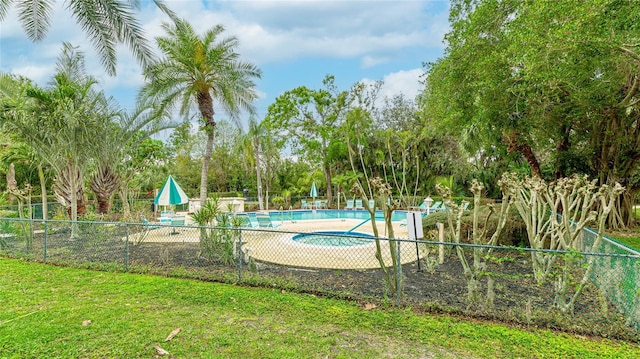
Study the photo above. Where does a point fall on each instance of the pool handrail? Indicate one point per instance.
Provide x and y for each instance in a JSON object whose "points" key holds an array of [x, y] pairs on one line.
{"points": [[360, 224]]}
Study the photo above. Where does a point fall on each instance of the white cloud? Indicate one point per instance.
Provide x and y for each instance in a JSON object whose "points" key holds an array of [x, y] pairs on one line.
{"points": [[371, 61], [405, 82], [279, 31], [373, 34], [39, 74]]}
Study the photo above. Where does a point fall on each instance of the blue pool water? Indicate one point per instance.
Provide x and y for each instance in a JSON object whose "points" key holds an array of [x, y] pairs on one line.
{"points": [[334, 238], [301, 215]]}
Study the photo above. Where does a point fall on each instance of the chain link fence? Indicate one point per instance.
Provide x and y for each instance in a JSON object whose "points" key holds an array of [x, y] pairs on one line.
{"points": [[589, 293]]}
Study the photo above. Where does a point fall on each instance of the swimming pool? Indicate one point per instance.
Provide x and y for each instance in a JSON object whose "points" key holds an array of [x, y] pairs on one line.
{"points": [[334, 238], [302, 215]]}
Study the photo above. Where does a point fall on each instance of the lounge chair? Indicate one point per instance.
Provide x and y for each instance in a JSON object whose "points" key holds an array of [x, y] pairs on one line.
{"points": [[358, 204], [303, 204], [438, 207], [317, 204], [350, 204], [422, 207], [246, 222], [264, 221], [177, 221], [148, 225], [403, 222]]}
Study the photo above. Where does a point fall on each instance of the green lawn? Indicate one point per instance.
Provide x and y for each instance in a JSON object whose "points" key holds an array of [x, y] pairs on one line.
{"points": [[633, 242], [630, 237], [44, 307]]}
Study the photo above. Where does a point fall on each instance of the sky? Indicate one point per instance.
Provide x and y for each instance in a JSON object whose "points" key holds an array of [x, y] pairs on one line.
{"points": [[294, 43]]}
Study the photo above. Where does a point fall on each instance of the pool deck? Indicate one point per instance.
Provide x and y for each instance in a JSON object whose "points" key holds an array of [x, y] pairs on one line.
{"points": [[275, 245]]}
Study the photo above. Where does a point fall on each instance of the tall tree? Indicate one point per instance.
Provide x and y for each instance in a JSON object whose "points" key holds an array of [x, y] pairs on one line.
{"points": [[121, 133], [60, 123], [107, 23], [198, 70], [556, 82], [310, 119], [252, 141]]}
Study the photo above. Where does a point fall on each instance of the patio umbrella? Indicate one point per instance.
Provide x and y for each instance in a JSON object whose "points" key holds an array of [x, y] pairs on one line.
{"points": [[314, 191], [170, 194], [313, 194]]}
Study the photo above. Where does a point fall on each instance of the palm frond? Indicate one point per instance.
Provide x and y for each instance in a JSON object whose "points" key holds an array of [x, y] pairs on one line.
{"points": [[107, 23], [34, 15], [4, 8], [93, 22]]}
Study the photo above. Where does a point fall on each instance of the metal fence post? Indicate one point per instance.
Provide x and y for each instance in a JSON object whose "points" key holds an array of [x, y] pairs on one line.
{"points": [[239, 248], [46, 236], [398, 270], [126, 253]]}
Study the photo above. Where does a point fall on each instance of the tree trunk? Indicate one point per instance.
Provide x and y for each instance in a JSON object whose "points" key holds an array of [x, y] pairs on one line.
{"points": [[104, 183], [205, 105], [259, 177], [43, 191], [327, 177], [525, 150], [12, 184], [63, 187], [73, 185], [562, 147], [124, 197], [206, 160]]}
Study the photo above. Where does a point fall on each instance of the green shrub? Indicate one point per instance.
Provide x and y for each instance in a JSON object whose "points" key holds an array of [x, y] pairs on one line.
{"points": [[514, 232], [8, 214], [277, 201]]}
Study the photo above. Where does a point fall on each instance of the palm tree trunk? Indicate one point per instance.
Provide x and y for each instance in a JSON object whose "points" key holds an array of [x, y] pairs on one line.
{"points": [[104, 183], [206, 159], [43, 191], [259, 178], [74, 201], [205, 105], [12, 184]]}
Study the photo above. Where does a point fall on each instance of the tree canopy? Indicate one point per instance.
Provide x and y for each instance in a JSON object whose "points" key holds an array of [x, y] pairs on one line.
{"points": [[555, 82], [198, 71]]}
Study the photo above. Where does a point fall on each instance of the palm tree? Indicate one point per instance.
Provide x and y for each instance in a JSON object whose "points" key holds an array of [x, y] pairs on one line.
{"points": [[251, 145], [60, 124], [120, 132], [107, 23], [201, 70]]}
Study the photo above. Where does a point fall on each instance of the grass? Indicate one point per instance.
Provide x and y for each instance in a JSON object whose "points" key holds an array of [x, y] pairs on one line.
{"points": [[633, 242], [44, 307], [629, 237]]}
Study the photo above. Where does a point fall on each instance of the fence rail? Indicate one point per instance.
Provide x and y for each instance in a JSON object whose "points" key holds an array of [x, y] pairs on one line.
{"points": [[503, 285]]}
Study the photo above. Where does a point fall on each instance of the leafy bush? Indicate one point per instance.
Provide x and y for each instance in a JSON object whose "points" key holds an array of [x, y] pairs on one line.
{"points": [[8, 214], [216, 244], [277, 201], [513, 234]]}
